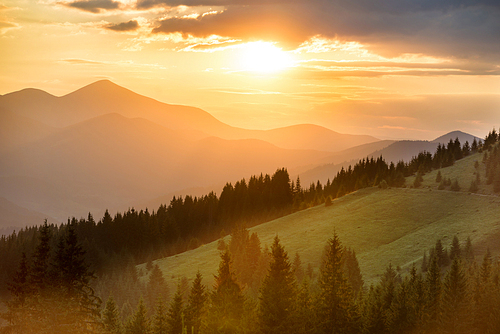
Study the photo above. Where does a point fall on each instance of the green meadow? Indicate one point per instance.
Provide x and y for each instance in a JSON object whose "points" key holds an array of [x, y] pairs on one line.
{"points": [[384, 226]]}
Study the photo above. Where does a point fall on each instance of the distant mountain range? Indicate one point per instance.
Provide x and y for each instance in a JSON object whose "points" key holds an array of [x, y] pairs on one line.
{"points": [[104, 146]]}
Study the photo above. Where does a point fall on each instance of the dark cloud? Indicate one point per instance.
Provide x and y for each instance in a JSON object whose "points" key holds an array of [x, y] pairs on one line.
{"points": [[94, 6], [450, 28], [145, 4], [124, 26]]}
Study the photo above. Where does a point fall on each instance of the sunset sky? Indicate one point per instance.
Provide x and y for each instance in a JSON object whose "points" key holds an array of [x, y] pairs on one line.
{"points": [[390, 68]]}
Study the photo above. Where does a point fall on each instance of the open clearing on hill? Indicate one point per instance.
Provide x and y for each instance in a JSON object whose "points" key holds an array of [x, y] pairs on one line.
{"points": [[383, 226]]}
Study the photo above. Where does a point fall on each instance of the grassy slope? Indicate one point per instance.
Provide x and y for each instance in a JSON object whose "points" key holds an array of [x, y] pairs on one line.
{"points": [[382, 226]]}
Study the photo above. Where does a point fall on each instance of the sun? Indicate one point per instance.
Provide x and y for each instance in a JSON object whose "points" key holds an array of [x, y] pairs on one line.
{"points": [[264, 57]]}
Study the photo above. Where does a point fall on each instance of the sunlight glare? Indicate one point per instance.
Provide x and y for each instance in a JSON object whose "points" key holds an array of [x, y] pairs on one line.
{"points": [[264, 57]]}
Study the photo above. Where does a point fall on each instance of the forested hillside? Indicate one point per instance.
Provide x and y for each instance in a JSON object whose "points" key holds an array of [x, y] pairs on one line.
{"points": [[113, 245]]}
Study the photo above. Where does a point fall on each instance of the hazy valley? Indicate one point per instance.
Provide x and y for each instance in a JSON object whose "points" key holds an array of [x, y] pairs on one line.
{"points": [[161, 196]]}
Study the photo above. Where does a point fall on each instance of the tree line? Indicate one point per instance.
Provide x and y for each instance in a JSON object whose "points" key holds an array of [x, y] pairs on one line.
{"points": [[459, 297], [51, 293], [134, 237]]}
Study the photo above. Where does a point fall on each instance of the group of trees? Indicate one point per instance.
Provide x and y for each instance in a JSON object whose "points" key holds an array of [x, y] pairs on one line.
{"points": [[51, 290], [138, 236], [116, 244], [460, 296]]}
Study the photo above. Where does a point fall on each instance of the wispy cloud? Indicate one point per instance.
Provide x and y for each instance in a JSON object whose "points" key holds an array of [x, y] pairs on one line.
{"points": [[6, 26], [81, 61], [94, 6], [240, 91], [131, 25]]}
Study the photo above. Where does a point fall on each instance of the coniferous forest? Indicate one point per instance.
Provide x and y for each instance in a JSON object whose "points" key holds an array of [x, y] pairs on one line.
{"points": [[81, 276]]}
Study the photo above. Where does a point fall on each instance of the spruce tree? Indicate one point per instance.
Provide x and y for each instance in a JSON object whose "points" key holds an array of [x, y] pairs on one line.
{"points": [[160, 323], [434, 292], [400, 318], [175, 313], [196, 306], [39, 274], [277, 294], [20, 287], [227, 300], [455, 301], [111, 317], [74, 280], [352, 271], [455, 251], [305, 317], [297, 268], [336, 310], [417, 298], [138, 323], [374, 321], [156, 287], [468, 251]]}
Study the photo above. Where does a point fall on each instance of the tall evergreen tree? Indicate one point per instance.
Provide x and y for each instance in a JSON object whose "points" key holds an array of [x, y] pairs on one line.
{"points": [[455, 251], [40, 278], [160, 323], [305, 317], [156, 287], [278, 292], [434, 292], [111, 317], [75, 278], [139, 322], [335, 305], [353, 273], [196, 306], [20, 287], [175, 313], [374, 321], [455, 301], [226, 301]]}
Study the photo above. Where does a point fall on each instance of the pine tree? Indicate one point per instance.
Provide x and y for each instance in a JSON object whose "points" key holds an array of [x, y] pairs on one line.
{"points": [[335, 305], [455, 300], [156, 287], [227, 300], [352, 271], [468, 252], [373, 312], [278, 292], [400, 318], [18, 308], [425, 263], [139, 323], [111, 317], [39, 276], [196, 307], [74, 280], [20, 286], [455, 251], [305, 317], [297, 268], [434, 292], [417, 298], [441, 254], [175, 313], [160, 323]]}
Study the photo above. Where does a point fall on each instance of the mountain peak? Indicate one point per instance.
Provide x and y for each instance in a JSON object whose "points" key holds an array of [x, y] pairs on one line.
{"points": [[101, 87], [462, 137]]}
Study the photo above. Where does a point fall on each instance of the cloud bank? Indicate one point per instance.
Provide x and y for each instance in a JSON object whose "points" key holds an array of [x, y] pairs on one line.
{"points": [[94, 6], [124, 26], [461, 29]]}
